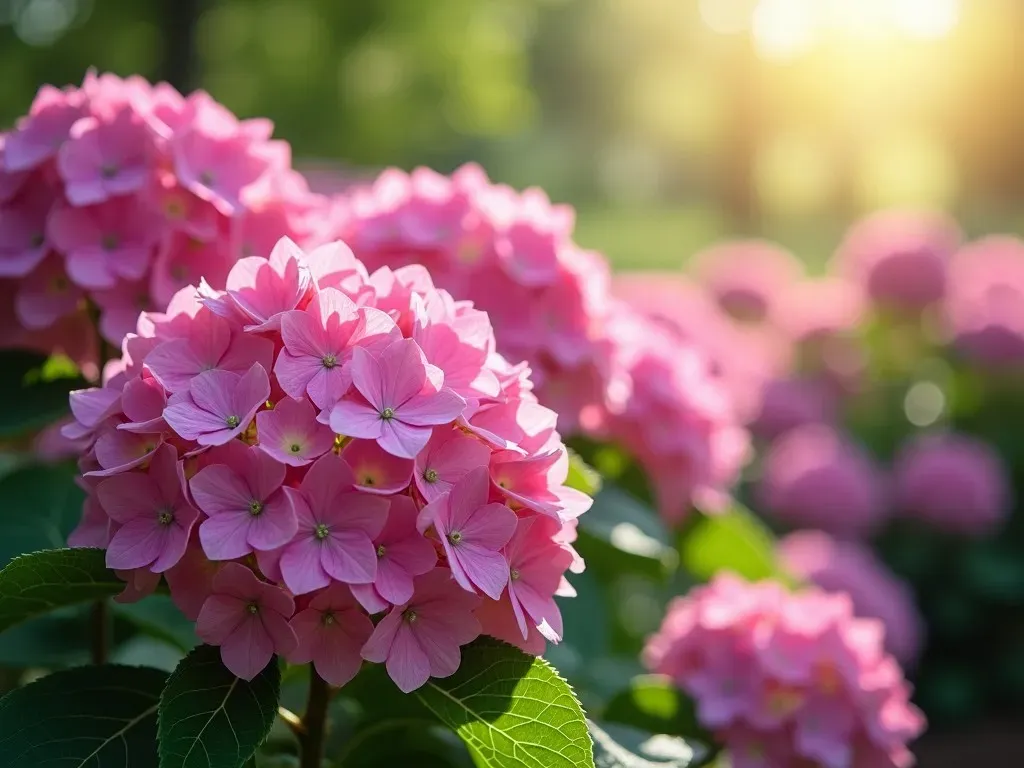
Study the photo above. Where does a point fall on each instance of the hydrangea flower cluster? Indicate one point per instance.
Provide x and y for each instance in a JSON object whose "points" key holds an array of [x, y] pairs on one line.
{"points": [[787, 679], [317, 444], [609, 371], [116, 194]]}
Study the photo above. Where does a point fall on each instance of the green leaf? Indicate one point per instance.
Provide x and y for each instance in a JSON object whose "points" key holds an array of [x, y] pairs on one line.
{"points": [[40, 582], [157, 616], [41, 504], [582, 476], [733, 540], [619, 746], [39, 388], [652, 703], [209, 717], [391, 743], [620, 533], [52, 641], [89, 717], [511, 710]]}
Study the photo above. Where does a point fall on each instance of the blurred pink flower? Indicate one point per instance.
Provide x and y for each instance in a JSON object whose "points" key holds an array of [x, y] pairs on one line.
{"points": [[749, 279]]}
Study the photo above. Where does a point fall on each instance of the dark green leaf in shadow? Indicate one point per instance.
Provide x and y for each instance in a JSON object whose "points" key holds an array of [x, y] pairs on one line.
{"points": [[620, 746], [38, 386]]}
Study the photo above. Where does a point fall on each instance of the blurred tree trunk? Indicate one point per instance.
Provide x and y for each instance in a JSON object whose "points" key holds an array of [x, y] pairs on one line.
{"points": [[178, 21]]}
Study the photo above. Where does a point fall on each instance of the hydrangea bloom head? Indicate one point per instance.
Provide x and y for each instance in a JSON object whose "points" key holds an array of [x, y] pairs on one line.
{"points": [[118, 193], [850, 567], [900, 258], [551, 304], [985, 305], [954, 482], [787, 679], [748, 279], [814, 477], [295, 462]]}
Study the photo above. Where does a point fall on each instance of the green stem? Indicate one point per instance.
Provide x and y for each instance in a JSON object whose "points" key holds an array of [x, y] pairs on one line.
{"points": [[314, 722], [99, 632]]}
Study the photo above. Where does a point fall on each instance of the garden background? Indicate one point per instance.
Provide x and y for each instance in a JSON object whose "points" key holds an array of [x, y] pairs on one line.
{"points": [[668, 124]]}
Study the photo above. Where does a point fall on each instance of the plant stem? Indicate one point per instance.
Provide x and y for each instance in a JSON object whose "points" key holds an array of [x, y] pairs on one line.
{"points": [[314, 721], [99, 632]]}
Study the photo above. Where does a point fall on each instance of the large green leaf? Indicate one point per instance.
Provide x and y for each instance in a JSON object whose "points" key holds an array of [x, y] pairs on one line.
{"points": [[391, 743], [40, 582], [733, 540], [89, 717], [157, 616], [35, 390], [41, 504], [582, 476], [209, 717], [511, 709], [621, 534], [619, 746]]}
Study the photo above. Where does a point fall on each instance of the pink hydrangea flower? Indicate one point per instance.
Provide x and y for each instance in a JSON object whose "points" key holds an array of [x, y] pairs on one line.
{"points": [[473, 530], [398, 399], [787, 678], [750, 279], [331, 633], [850, 567], [954, 482], [154, 514], [104, 176], [248, 619], [240, 491], [336, 527], [288, 507], [420, 639]]}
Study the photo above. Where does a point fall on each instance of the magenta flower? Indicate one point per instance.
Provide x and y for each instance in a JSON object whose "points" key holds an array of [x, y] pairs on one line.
{"points": [[472, 531], [536, 563], [536, 482], [104, 243], [218, 405], [318, 345], [209, 346], [457, 339], [118, 451], [337, 525], [376, 470], [143, 401], [41, 133], [183, 261], [421, 639], [446, 459], [402, 554], [46, 295], [291, 434], [105, 159], [190, 581], [23, 233], [154, 514], [248, 619], [331, 633], [240, 490], [397, 399], [264, 289]]}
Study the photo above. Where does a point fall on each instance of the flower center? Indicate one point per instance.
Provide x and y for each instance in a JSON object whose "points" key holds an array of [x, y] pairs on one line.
{"points": [[206, 179], [294, 447], [514, 574], [59, 285], [321, 531], [165, 517], [380, 550], [232, 421], [328, 619], [252, 608], [455, 537], [329, 361], [387, 414], [430, 475], [255, 508], [109, 242], [108, 171], [36, 240], [174, 208], [410, 615]]}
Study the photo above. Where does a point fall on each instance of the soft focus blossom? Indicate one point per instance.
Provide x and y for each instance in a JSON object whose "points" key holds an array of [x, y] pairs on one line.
{"points": [[512, 254], [286, 502], [814, 477], [850, 567], [787, 679], [748, 279], [985, 305], [900, 258], [954, 482], [117, 193]]}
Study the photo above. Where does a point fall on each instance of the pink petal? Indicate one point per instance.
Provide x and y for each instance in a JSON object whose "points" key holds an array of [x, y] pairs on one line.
{"points": [[378, 647], [393, 582], [368, 377], [247, 650], [279, 630], [350, 557], [355, 418], [401, 439], [485, 568], [490, 526], [407, 664], [252, 391], [441, 408], [128, 496], [218, 490], [225, 536], [301, 568], [137, 543], [219, 617], [376, 470], [275, 526], [467, 496]]}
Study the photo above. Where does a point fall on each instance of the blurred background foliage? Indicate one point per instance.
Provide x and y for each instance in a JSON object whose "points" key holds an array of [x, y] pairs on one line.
{"points": [[668, 123]]}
